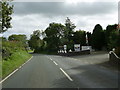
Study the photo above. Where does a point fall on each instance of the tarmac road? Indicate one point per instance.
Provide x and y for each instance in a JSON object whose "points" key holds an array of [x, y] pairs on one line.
{"points": [[52, 71]]}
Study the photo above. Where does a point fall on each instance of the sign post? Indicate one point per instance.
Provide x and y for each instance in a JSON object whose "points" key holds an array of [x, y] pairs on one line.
{"points": [[65, 48]]}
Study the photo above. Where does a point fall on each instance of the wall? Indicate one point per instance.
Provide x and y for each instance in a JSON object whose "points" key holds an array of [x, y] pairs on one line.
{"points": [[113, 58]]}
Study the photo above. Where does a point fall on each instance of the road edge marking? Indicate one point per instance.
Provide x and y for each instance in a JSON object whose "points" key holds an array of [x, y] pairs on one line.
{"points": [[66, 74], [15, 70]]}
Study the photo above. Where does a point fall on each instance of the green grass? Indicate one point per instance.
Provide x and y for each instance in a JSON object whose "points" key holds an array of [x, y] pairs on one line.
{"points": [[30, 51], [17, 59]]}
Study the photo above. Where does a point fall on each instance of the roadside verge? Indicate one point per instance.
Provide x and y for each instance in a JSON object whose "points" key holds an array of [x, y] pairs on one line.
{"points": [[15, 62]]}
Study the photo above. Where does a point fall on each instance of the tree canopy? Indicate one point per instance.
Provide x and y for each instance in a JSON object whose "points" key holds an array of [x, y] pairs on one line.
{"points": [[80, 37], [54, 32], [98, 37], [35, 41], [5, 16], [19, 38]]}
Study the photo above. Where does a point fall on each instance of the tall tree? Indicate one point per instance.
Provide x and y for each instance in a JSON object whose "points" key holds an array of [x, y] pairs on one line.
{"points": [[54, 32], [69, 30], [80, 37], [5, 16], [97, 37], [35, 42], [109, 29], [89, 38], [113, 40]]}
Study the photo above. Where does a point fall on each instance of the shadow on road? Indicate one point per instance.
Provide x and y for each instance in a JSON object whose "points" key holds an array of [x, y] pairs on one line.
{"points": [[89, 76]]}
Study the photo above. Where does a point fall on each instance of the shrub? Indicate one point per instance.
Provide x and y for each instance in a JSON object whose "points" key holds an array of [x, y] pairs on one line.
{"points": [[9, 47]]}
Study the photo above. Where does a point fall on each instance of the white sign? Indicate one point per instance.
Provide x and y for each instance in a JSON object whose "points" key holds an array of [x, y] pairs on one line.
{"points": [[87, 48], [77, 47], [65, 47]]}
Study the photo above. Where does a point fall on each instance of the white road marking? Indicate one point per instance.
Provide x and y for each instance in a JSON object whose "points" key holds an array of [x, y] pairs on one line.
{"points": [[9, 75], [51, 59], [14, 71], [66, 74], [55, 63]]}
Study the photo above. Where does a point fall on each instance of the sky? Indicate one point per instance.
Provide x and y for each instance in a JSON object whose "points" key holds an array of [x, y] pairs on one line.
{"points": [[29, 16]]}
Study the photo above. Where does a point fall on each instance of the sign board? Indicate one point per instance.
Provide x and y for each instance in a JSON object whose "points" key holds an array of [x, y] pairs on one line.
{"points": [[65, 47], [87, 48], [77, 47]]}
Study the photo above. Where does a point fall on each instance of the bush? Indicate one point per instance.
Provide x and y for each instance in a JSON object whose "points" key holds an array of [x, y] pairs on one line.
{"points": [[9, 47], [6, 53], [14, 61]]}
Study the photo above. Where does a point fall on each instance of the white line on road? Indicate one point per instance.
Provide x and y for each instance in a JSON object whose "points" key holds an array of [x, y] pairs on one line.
{"points": [[51, 59], [15, 71], [55, 63], [66, 74]]}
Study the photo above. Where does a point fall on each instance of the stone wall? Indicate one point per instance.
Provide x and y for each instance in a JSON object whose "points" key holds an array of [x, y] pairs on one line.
{"points": [[113, 58]]}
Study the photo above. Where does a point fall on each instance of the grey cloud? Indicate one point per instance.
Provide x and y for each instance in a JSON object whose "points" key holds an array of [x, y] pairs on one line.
{"points": [[60, 8], [29, 16]]}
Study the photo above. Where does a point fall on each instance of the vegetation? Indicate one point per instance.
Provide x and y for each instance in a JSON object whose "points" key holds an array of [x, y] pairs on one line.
{"points": [[98, 37], [115, 41], [14, 61], [19, 38], [15, 49], [108, 32], [54, 33], [5, 16], [13, 55], [57, 35], [80, 37], [35, 42]]}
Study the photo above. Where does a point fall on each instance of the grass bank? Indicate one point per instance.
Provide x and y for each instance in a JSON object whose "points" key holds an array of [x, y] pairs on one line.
{"points": [[13, 62]]}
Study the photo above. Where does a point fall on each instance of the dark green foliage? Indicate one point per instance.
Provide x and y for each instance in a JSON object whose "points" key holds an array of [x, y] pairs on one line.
{"points": [[59, 35], [118, 40], [69, 29], [19, 38], [79, 37], [113, 40], [109, 29], [70, 45], [53, 34], [35, 42], [68, 34], [89, 38], [5, 16], [98, 37], [3, 38], [15, 43], [9, 47]]}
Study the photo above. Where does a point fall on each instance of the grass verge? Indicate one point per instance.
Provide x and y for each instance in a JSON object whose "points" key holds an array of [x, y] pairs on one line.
{"points": [[17, 59]]}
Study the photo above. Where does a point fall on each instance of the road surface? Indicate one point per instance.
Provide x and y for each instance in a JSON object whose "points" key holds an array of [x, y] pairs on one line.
{"points": [[52, 71]]}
